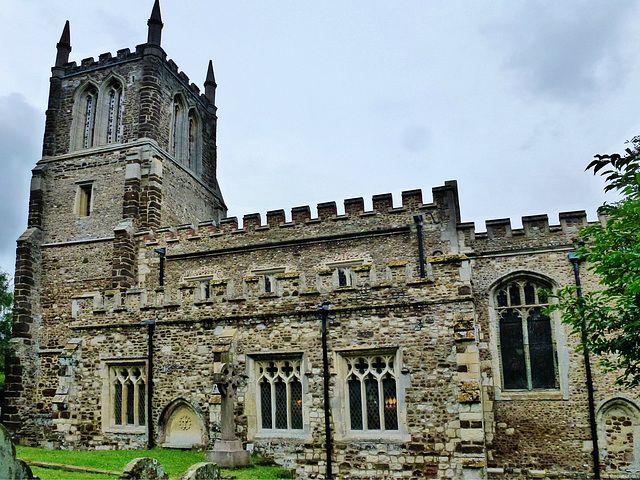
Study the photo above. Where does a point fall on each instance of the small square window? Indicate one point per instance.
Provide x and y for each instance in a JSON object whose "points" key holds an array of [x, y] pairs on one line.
{"points": [[205, 289], [84, 199]]}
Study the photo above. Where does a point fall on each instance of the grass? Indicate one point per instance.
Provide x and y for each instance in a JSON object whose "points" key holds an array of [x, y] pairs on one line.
{"points": [[175, 463]]}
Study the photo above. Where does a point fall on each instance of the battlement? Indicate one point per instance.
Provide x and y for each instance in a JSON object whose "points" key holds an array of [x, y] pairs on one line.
{"points": [[106, 60], [533, 226], [240, 295], [327, 212]]}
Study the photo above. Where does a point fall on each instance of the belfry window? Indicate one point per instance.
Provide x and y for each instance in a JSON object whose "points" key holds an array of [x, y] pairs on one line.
{"points": [[280, 394], [186, 135], [127, 396], [526, 344], [372, 392], [89, 107], [114, 113]]}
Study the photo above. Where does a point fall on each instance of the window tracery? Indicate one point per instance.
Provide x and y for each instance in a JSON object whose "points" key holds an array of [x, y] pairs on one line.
{"points": [[280, 394], [525, 336]]}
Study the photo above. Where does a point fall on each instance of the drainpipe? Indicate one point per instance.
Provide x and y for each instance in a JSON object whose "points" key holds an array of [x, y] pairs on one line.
{"points": [[418, 221], [151, 327], [162, 252], [324, 313], [575, 260]]}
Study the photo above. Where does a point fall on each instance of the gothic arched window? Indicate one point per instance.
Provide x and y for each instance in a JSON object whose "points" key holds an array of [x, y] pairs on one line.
{"points": [[89, 105], [114, 112], [186, 135], [525, 336]]}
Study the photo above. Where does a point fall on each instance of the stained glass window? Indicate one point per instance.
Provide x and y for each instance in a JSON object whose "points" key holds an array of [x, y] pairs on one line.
{"points": [[128, 395], [280, 394], [371, 386], [527, 349]]}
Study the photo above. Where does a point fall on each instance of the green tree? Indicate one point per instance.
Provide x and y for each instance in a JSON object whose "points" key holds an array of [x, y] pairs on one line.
{"points": [[608, 319], [6, 305]]}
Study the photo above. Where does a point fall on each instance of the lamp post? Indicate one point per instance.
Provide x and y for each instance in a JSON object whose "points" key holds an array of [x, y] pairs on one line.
{"points": [[575, 261], [324, 313]]}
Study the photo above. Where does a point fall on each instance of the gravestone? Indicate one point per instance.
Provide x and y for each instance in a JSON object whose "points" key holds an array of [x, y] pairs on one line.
{"points": [[10, 466]]}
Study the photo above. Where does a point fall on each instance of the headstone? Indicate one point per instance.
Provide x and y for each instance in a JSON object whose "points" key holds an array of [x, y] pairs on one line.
{"points": [[202, 471], [144, 468], [10, 466]]}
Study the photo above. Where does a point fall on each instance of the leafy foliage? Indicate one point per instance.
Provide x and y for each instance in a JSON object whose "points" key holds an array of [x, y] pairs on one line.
{"points": [[6, 304], [609, 319]]}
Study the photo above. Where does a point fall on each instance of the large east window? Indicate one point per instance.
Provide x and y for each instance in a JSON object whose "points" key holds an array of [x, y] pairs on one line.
{"points": [[280, 394], [526, 343], [372, 392], [127, 395]]}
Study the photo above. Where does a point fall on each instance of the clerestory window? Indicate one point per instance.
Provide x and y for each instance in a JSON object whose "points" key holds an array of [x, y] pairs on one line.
{"points": [[526, 343], [280, 394], [127, 396]]}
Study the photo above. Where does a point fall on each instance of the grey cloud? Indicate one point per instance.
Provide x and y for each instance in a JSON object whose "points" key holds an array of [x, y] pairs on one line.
{"points": [[20, 140], [569, 51]]}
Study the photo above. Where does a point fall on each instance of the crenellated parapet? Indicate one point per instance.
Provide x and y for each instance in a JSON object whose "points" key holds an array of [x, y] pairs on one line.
{"points": [[383, 215], [295, 292], [535, 230]]}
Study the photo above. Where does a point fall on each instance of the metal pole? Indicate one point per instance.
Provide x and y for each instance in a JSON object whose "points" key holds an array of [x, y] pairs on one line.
{"points": [[324, 312], [151, 327], [418, 221], [574, 259], [162, 252]]}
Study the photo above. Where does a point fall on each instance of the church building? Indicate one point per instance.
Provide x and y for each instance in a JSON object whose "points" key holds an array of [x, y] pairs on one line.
{"points": [[396, 343]]}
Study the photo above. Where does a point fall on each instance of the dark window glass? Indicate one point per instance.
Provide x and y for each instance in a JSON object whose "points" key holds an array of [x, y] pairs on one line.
{"points": [[390, 404], [130, 402], [373, 403], [541, 350], [514, 368], [502, 298], [342, 277], [296, 405], [265, 401], [514, 295], [529, 294], [141, 404], [281, 404], [117, 403], [355, 404]]}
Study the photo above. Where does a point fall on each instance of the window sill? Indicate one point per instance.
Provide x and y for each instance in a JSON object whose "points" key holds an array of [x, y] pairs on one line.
{"points": [[129, 430], [377, 436], [514, 395], [302, 435]]}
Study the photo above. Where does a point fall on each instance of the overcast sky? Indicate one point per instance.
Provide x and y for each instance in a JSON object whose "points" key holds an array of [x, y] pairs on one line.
{"points": [[327, 100]]}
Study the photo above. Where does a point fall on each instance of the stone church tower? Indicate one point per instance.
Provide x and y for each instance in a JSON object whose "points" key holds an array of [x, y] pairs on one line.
{"points": [[129, 145]]}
